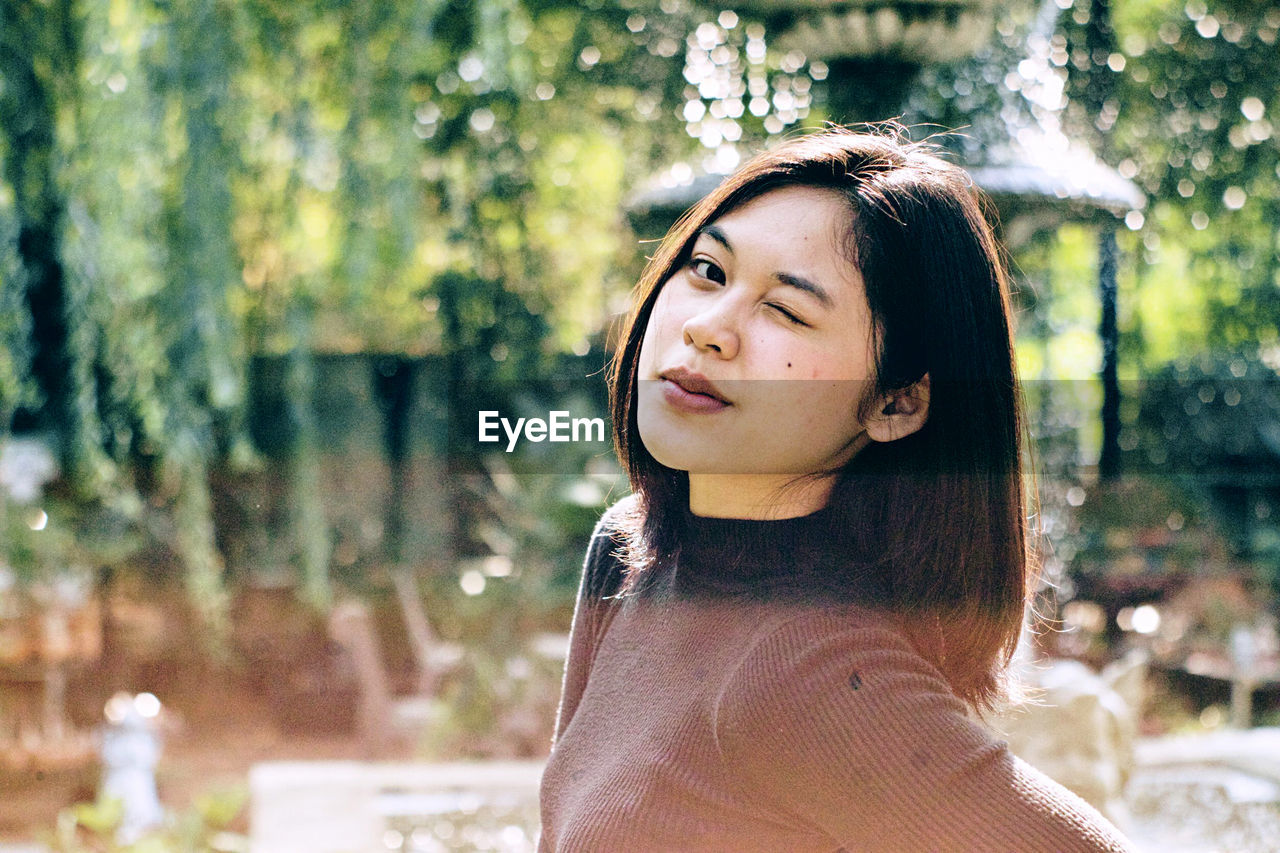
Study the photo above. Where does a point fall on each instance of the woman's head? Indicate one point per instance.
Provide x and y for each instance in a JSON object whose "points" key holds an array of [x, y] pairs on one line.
{"points": [[908, 332], [767, 316]]}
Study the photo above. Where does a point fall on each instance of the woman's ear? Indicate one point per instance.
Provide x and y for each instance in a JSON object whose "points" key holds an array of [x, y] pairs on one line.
{"points": [[900, 413]]}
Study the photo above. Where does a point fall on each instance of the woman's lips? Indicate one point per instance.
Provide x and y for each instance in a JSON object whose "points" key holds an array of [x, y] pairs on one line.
{"points": [[685, 400]]}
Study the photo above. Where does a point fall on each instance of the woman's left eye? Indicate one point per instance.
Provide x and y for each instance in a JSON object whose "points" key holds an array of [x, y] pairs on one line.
{"points": [[785, 313]]}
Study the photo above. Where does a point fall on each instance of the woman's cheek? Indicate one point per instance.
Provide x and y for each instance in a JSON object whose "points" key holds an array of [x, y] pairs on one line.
{"points": [[663, 325], [651, 343], [806, 365]]}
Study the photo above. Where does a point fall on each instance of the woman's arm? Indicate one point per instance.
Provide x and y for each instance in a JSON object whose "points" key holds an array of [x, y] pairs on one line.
{"points": [[601, 577], [837, 721]]}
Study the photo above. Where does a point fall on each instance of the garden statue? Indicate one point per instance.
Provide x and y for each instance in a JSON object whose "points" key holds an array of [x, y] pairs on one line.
{"points": [[1079, 727], [130, 751]]}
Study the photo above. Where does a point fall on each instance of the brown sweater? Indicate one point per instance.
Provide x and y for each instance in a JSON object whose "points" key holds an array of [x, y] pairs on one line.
{"points": [[713, 712]]}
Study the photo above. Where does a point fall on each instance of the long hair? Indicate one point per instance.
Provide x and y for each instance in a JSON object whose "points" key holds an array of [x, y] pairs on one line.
{"points": [[941, 513]]}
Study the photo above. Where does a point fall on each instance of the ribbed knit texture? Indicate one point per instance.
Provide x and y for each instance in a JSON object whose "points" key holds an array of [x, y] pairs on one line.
{"points": [[720, 710]]}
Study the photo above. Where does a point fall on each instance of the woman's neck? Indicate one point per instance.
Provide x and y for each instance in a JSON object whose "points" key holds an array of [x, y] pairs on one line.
{"points": [[757, 496]]}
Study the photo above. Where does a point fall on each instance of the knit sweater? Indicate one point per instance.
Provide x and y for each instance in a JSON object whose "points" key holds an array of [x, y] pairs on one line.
{"points": [[712, 711]]}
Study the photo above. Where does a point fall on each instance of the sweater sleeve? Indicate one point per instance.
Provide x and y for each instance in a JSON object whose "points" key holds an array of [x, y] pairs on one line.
{"points": [[601, 577], [845, 728]]}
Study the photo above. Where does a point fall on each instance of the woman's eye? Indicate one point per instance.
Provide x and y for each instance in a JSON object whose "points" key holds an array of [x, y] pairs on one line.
{"points": [[706, 269], [787, 314]]}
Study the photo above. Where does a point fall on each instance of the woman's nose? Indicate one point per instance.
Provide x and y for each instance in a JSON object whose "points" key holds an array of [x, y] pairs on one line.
{"points": [[713, 330]]}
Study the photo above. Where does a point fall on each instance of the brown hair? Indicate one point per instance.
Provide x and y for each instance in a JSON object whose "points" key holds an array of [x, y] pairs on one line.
{"points": [[941, 512]]}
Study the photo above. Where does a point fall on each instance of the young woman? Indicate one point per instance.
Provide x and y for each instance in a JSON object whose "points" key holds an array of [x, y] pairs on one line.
{"points": [[782, 635]]}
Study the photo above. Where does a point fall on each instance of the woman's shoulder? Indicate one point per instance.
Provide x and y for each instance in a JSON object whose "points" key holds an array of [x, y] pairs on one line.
{"points": [[849, 629], [840, 675], [798, 627], [801, 653], [605, 569], [619, 516]]}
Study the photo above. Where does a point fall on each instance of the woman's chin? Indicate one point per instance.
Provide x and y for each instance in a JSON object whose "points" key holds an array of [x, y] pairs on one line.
{"points": [[723, 465]]}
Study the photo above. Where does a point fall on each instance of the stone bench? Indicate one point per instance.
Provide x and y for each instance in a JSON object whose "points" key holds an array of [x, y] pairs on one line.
{"points": [[355, 807]]}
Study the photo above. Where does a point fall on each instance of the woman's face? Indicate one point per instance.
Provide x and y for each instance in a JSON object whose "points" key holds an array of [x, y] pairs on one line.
{"points": [[758, 349]]}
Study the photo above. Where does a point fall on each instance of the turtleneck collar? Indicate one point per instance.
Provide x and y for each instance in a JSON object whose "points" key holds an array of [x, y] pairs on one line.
{"points": [[719, 543], [806, 555]]}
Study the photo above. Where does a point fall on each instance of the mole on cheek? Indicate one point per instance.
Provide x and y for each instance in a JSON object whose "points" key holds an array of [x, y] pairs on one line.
{"points": [[788, 364]]}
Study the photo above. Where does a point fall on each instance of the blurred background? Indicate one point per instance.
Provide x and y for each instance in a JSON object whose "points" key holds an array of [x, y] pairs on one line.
{"points": [[262, 263]]}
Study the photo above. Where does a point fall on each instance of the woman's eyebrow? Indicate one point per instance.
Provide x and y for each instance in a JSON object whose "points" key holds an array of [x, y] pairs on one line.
{"points": [[798, 282], [715, 233], [814, 290]]}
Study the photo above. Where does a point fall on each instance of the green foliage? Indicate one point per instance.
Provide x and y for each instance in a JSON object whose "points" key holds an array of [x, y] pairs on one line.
{"points": [[226, 179], [15, 325], [493, 706], [970, 100], [37, 547], [203, 828], [1188, 110]]}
